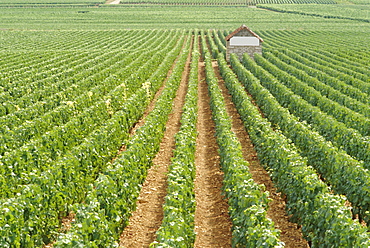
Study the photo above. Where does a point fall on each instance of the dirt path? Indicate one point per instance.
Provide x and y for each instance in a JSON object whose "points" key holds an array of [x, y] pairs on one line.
{"points": [[291, 235], [112, 1], [67, 221], [147, 217], [212, 221]]}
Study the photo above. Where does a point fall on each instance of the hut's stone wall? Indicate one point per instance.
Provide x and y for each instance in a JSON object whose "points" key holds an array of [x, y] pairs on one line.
{"points": [[240, 50]]}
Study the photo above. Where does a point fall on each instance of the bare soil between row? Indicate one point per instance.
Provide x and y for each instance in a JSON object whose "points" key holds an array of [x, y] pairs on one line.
{"points": [[291, 234], [212, 221], [147, 217]]}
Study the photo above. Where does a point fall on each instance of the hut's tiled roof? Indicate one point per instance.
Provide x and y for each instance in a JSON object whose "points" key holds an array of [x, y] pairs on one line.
{"points": [[241, 28]]}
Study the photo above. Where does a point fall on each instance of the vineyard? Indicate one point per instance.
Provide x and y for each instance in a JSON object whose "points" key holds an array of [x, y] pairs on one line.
{"points": [[38, 27], [335, 11], [124, 126], [222, 2]]}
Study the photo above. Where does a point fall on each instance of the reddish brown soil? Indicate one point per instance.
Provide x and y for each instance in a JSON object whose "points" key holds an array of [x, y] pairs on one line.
{"points": [[67, 221], [291, 235], [66, 225], [212, 221], [147, 217]]}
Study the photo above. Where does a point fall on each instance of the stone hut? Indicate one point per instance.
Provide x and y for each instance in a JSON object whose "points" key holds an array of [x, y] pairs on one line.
{"points": [[243, 40]]}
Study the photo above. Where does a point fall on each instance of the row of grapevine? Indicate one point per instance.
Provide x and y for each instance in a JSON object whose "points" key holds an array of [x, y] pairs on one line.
{"points": [[17, 84], [347, 138], [177, 228], [40, 82], [248, 203], [345, 175], [152, 17], [52, 68], [112, 197], [34, 120], [255, 2], [341, 113], [320, 72], [318, 39], [319, 86], [52, 2], [343, 137], [356, 75], [37, 65], [43, 150], [344, 62], [318, 12], [337, 132], [325, 218], [56, 41], [32, 217], [361, 142], [214, 49], [70, 89], [219, 41], [226, 2]]}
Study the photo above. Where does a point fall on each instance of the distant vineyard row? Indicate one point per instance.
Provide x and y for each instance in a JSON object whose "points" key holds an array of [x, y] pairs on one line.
{"points": [[154, 16], [51, 2], [64, 116], [226, 2], [161, 2], [312, 100], [81, 3], [67, 108], [337, 11]]}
